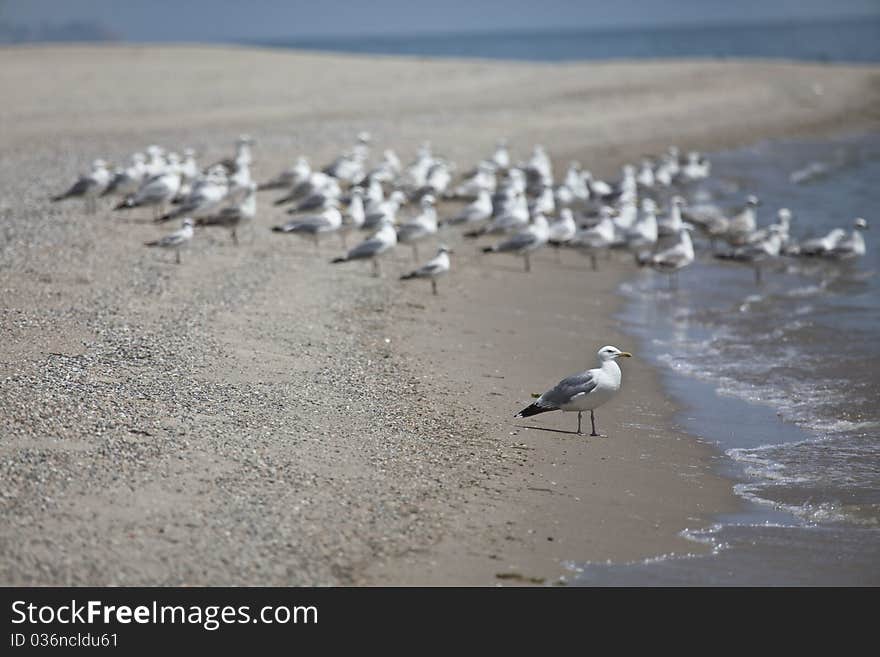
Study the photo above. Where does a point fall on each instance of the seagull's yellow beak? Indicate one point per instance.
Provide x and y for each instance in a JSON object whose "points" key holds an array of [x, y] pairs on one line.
{"points": [[624, 354]]}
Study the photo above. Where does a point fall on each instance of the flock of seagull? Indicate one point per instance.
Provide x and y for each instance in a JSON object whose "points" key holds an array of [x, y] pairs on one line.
{"points": [[521, 207]]}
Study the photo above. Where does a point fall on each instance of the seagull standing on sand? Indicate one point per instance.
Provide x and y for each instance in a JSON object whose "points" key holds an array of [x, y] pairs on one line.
{"points": [[583, 392], [420, 227], [176, 239], [562, 231], [88, 187], [204, 198], [126, 181], [328, 221], [386, 211], [382, 241], [474, 212], [435, 267], [354, 216], [233, 216], [294, 175], [600, 236], [532, 238], [157, 192]]}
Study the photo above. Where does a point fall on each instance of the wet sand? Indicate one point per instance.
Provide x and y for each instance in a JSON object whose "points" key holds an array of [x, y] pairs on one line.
{"points": [[256, 416]]}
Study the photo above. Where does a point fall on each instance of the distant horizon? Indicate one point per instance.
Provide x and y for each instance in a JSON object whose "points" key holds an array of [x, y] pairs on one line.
{"points": [[562, 29]]}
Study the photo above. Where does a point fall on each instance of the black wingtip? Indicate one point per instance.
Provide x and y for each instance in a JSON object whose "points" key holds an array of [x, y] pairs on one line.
{"points": [[338, 260], [533, 409], [487, 249]]}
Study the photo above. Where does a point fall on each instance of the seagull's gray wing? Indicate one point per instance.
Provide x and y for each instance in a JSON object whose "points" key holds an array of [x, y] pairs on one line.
{"points": [[428, 270], [566, 390], [517, 242], [366, 249], [310, 225]]}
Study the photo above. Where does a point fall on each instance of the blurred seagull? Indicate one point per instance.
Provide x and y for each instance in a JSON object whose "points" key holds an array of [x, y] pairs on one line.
{"points": [[420, 227], [382, 241], [291, 177], [676, 257], [126, 181], [854, 247], [523, 243], [176, 239], [434, 268], [233, 216], [88, 187], [314, 226]]}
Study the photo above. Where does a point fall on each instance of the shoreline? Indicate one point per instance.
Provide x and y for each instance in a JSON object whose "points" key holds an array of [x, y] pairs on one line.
{"points": [[326, 479]]}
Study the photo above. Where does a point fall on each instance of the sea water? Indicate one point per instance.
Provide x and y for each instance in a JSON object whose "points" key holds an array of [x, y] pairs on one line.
{"points": [[846, 40], [782, 376]]}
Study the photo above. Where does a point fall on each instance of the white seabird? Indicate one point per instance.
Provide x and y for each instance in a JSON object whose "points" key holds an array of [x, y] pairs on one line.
{"points": [[523, 243], [314, 226], [420, 227], [205, 197], [88, 187], [156, 192], [292, 176], [434, 268], [382, 241], [126, 181], [585, 391], [854, 247], [176, 239], [474, 212], [233, 216]]}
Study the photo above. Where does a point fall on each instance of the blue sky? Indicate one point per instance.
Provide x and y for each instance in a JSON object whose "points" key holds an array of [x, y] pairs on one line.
{"points": [[218, 20]]}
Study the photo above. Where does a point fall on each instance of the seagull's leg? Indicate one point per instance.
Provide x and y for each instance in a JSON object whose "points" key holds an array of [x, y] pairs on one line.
{"points": [[415, 251], [593, 262], [528, 264], [434, 285], [234, 237], [177, 253], [758, 275], [344, 240], [593, 422], [579, 423], [375, 267]]}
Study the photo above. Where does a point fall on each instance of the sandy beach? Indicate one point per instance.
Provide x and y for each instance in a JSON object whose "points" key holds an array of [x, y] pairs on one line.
{"points": [[256, 416]]}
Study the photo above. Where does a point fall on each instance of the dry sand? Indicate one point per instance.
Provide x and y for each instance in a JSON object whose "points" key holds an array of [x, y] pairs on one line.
{"points": [[256, 416]]}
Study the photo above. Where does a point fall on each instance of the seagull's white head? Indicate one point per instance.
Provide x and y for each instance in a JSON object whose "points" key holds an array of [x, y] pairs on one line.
{"points": [[753, 201], [611, 353], [188, 223], [861, 224], [427, 201], [444, 249]]}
